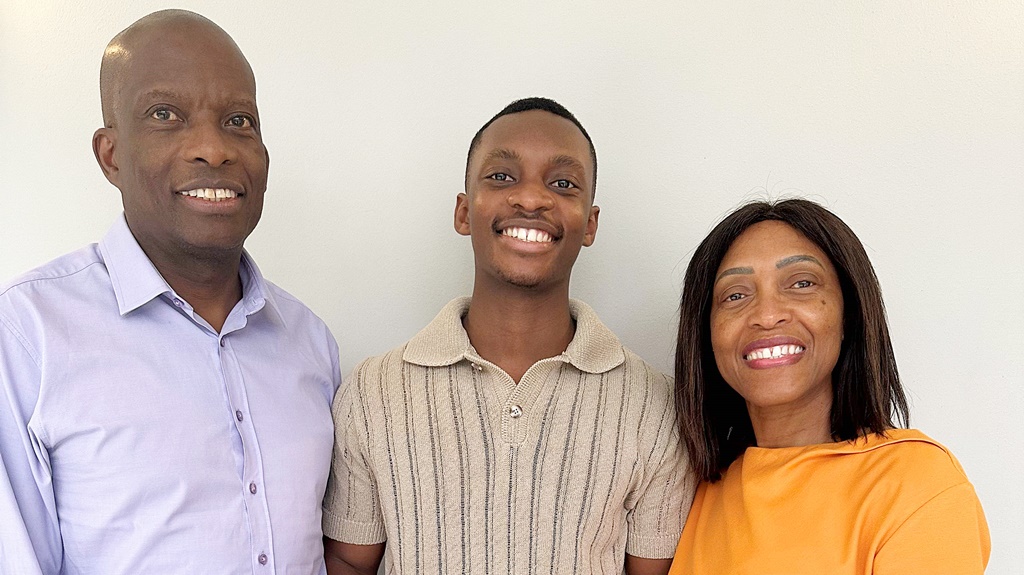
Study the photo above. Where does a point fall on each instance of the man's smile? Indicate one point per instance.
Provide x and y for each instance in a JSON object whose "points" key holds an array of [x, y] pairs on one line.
{"points": [[210, 194], [528, 234]]}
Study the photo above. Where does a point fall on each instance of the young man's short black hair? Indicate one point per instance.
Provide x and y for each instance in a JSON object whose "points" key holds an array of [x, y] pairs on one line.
{"points": [[535, 103]]}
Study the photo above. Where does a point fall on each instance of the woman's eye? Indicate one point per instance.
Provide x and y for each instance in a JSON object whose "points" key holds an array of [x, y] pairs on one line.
{"points": [[241, 121], [734, 297], [564, 184], [164, 115], [803, 284]]}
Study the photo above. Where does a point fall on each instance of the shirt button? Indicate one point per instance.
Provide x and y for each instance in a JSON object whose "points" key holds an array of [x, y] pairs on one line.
{"points": [[222, 342], [477, 366], [177, 302], [238, 414], [262, 558], [252, 488], [515, 411]]}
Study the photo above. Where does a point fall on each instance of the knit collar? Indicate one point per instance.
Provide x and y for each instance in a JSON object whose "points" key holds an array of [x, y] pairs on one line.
{"points": [[593, 349]]}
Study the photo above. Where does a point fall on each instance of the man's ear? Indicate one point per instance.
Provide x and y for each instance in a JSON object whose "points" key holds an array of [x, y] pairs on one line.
{"points": [[588, 236], [103, 143], [462, 214]]}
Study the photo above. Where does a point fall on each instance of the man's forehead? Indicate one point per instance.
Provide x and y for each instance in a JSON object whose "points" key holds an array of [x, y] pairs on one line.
{"points": [[515, 134]]}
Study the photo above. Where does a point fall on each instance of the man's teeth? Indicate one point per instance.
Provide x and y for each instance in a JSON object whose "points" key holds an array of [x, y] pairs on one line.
{"points": [[527, 234], [211, 194], [774, 352]]}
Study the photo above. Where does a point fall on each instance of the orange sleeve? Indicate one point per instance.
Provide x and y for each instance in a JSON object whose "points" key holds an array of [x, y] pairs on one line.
{"points": [[948, 534]]}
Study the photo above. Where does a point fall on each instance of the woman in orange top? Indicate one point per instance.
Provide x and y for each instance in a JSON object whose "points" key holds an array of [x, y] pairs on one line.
{"points": [[789, 397]]}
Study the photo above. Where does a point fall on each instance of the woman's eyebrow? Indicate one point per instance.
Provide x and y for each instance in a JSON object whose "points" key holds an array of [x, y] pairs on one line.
{"points": [[734, 272], [794, 259]]}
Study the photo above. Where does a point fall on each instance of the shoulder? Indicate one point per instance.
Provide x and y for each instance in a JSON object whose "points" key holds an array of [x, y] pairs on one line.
{"points": [[66, 270], [49, 289], [914, 457], [380, 370], [643, 376]]}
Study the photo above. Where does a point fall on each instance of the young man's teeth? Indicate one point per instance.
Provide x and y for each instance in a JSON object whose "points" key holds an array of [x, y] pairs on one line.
{"points": [[210, 194], [775, 352], [527, 235]]}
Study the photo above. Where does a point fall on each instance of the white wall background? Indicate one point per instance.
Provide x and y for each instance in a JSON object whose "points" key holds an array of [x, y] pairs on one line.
{"points": [[905, 117]]}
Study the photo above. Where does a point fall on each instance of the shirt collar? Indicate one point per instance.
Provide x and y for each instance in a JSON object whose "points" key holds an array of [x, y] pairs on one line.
{"points": [[593, 349], [136, 280]]}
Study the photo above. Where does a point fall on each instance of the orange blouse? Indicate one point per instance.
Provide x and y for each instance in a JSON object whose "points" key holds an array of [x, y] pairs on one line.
{"points": [[878, 505]]}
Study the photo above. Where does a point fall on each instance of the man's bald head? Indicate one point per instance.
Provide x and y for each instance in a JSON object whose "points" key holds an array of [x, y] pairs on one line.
{"points": [[149, 32]]}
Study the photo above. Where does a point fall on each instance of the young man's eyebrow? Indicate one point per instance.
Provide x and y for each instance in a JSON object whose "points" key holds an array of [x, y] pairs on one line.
{"points": [[565, 161], [794, 259], [502, 154]]}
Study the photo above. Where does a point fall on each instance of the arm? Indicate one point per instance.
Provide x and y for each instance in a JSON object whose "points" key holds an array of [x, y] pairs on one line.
{"points": [[948, 534], [351, 509], [641, 566], [351, 559], [30, 541], [663, 498]]}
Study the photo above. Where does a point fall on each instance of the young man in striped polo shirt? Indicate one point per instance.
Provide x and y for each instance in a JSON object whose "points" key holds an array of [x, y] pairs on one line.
{"points": [[514, 434]]}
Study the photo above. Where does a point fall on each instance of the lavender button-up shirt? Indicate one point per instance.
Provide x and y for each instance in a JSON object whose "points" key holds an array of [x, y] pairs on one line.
{"points": [[134, 438]]}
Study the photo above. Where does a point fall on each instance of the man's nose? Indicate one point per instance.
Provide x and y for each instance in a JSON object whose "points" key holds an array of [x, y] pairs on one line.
{"points": [[209, 143], [531, 196]]}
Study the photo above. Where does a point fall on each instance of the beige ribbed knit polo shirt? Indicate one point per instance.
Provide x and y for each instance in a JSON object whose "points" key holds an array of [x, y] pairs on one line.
{"points": [[461, 470]]}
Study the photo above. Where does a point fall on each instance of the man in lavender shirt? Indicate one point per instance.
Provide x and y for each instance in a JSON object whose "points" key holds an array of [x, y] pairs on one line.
{"points": [[163, 407]]}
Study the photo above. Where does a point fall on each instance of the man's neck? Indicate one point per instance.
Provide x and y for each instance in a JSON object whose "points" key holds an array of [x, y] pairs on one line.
{"points": [[211, 286], [515, 328]]}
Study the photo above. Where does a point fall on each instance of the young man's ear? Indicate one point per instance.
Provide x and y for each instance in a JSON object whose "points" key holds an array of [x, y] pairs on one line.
{"points": [[462, 214], [103, 144], [588, 237]]}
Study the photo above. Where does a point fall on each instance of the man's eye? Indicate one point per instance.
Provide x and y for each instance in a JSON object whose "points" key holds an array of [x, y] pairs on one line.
{"points": [[500, 177], [240, 121], [164, 115], [565, 184]]}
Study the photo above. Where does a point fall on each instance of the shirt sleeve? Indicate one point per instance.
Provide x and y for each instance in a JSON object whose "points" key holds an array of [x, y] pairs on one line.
{"points": [[656, 521], [30, 542], [948, 534], [352, 512]]}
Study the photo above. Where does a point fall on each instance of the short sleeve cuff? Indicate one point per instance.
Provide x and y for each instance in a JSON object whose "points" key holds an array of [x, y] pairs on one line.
{"points": [[657, 547], [353, 532]]}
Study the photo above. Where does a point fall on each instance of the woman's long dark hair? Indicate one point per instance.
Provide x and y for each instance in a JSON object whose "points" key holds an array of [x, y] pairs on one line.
{"points": [[866, 393]]}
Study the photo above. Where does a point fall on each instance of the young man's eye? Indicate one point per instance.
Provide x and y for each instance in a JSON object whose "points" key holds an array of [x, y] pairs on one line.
{"points": [[500, 177], [564, 184]]}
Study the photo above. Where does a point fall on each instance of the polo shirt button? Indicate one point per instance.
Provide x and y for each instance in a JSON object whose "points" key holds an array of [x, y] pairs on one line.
{"points": [[177, 302], [252, 488], [477, 366], [262, 558], [515, 411], [238, 414]]}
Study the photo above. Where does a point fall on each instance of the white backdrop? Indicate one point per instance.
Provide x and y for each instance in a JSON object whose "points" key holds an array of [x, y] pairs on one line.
{"points": [[904, 117]]}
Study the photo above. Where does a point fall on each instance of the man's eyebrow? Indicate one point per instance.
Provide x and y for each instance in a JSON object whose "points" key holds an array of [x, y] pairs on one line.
{"points": [[734, 272], [246, 104], [794, 259], [159, 95], [565, 161], [502, 154]]}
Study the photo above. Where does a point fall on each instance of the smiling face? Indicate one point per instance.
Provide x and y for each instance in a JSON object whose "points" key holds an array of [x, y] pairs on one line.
{"points": [[183, 140], [528, 204], [777, 320]]}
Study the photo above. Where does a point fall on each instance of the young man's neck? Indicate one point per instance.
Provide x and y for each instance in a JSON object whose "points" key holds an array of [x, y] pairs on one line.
{"points": [[515, 328]]}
